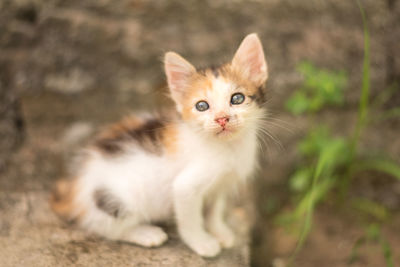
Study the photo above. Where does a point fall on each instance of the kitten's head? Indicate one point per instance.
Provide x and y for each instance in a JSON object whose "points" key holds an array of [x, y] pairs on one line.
{"points": [[223, 101]]}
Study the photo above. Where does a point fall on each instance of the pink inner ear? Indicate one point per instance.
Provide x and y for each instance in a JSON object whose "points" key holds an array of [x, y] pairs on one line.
{"points": [[176, 79], [178, 72], [250, 59]]}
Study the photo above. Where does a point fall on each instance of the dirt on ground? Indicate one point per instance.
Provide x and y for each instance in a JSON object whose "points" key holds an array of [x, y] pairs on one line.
{"points": [[75, 66]]}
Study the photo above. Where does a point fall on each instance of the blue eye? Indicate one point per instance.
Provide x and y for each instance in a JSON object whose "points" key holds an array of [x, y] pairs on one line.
{"points": [[202, 106], [237, 99]]}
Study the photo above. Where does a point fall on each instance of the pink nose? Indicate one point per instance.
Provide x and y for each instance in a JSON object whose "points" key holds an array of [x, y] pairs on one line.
{"points": [[222, 121]]}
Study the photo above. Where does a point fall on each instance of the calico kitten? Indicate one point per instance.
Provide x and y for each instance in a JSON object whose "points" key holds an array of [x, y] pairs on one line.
{"points": [[145, 170]]}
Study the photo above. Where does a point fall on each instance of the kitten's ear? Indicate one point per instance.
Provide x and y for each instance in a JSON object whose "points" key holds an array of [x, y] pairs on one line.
{"points": [[178, 72], [249, 59]]}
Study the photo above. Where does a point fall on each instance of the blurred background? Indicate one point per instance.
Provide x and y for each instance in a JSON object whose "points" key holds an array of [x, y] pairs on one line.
{"points": [[329, 190]]}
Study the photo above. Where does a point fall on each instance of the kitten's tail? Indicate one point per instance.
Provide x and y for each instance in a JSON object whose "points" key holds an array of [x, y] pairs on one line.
{"points": [[62, 199]]}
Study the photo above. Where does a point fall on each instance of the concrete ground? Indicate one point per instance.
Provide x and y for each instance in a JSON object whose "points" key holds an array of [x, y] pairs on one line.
{"points": [[31, 235]]}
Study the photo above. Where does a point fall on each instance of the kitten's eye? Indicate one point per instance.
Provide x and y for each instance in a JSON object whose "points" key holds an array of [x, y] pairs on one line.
{"points": [[202, 106], [237, 99]]}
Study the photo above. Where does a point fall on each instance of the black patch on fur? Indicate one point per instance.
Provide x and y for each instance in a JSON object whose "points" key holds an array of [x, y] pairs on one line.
{"points": [[259, 96], [147, 136], [109, 146], [252, 97], [107, 202], [149, 130], [214, 71]]}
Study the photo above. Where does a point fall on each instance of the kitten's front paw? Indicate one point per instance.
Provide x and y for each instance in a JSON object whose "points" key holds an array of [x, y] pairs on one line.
{"points": [[205, 245], [224, 235]]}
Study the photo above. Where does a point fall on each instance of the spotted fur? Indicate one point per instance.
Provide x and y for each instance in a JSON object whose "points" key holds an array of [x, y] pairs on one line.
{"points": [[132, 131]]}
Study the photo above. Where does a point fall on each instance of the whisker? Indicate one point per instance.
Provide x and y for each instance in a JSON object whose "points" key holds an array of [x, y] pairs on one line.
{"points": [[272, 137], [279, 120], [268, 123], [262, 144]]}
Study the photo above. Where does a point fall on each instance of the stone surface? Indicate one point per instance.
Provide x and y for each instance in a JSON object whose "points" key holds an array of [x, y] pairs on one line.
{"points": [[31, 235], [11, 123]]}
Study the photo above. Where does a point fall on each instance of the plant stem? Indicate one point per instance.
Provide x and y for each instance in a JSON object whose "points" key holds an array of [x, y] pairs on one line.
{"points": [[363, 106]]}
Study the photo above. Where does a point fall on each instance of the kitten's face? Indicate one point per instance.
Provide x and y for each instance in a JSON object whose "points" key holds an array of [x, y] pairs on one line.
{"points": [[225, 101], [222, 103]]}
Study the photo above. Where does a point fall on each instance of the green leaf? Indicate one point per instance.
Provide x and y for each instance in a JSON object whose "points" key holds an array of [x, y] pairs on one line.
{"points": [[298, 103], [320, 87], [314, 142], [354, 251], [390, 114], [372, 208], [373, 232], [387, 253], [379, 164], [301, 179], [316, 195]]}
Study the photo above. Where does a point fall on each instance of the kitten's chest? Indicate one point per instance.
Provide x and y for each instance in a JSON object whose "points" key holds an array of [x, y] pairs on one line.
{"points": [[236, 158], [242, 157]]}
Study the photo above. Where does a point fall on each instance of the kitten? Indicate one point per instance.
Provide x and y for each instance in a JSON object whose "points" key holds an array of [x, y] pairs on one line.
{"points": [[145, 170]]}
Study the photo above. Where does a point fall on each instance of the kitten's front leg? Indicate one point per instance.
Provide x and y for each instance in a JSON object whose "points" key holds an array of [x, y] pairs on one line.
{"points": [[188, 193], [216, 224]]}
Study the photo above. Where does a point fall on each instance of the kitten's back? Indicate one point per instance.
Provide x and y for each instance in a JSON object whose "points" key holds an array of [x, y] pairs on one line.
{"points": [[151, 134]]}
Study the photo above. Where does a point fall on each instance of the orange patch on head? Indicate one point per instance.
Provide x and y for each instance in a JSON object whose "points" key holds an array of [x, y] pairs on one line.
{"points": [[238, 78], [250, 89], [200, 84]]}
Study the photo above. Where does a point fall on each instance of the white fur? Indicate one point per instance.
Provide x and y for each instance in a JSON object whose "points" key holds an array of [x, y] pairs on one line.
{"points": [[154, 188]]}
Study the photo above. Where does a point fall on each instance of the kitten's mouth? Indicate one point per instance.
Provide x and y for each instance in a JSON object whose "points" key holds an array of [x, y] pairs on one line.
{"points": [[224, 131]]}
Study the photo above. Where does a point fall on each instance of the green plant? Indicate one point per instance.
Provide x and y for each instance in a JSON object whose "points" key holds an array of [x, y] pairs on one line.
{"points": [[320, 88], [317, 144], [328, 161], [373, 234]]}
